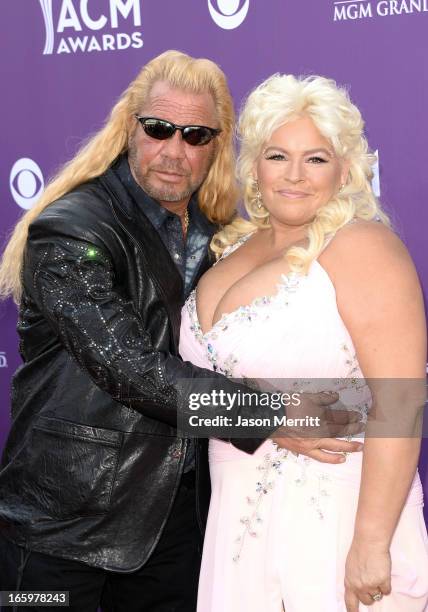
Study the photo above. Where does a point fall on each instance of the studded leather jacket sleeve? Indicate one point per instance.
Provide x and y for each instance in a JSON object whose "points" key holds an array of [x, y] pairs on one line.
{"points": [[73, 284], [74, 288]]}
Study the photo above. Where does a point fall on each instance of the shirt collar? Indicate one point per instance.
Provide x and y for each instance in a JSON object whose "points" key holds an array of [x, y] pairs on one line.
{"points": [[150, 207], [156, 213]]}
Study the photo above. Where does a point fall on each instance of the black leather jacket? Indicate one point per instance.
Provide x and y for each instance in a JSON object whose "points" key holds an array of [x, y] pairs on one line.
{"points": [[93, 461]]}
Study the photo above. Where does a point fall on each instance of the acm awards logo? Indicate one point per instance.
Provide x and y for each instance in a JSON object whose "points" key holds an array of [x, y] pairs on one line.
{"points": [[79, 26], [3, 360], [228, 14], [26, 182]]}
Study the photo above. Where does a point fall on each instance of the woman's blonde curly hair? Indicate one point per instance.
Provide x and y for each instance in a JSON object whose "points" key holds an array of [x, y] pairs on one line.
{"points": [[277, 101]]}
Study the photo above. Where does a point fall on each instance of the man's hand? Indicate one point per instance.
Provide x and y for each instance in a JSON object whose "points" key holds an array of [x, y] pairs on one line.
{"points": [[319, 441]]}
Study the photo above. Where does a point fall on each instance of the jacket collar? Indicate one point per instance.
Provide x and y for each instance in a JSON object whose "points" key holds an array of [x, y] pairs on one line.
{"points": [[142, 215], [150, 207], [145, 237]]}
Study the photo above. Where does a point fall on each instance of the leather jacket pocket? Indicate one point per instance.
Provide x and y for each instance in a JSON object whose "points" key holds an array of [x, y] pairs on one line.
{"points": [[70, 468]]}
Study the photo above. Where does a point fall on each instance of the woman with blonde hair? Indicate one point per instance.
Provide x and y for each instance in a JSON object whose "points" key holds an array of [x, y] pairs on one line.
{"points": [[313, 286]]}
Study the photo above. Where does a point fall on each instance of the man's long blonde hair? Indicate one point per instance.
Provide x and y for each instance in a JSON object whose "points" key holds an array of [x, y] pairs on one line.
{"points": [[217, 195]]}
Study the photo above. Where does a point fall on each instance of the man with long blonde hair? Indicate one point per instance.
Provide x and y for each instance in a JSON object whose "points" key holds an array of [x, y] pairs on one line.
{"points": [[94, 477]]}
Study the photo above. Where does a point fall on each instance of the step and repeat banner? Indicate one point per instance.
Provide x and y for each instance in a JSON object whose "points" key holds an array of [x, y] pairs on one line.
{"points": [[65, 62]]}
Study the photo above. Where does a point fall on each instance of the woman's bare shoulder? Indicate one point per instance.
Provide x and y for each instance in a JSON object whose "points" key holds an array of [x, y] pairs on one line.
{"points": [[365, 234], [366, 246]]}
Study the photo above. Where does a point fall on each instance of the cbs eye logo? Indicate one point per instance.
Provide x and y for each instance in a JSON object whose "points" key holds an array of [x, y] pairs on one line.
{"points": [[26, 182], [228, 14]]}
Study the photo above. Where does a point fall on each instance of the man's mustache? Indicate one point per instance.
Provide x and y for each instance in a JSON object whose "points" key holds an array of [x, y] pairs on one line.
{"points": [[171, 168]]}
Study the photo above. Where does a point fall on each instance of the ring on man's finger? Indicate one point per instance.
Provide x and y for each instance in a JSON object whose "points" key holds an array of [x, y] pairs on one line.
{"points": [[377, 596]]}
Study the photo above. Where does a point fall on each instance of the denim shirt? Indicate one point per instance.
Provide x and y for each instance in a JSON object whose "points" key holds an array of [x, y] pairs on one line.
{"points": [[187, 253]]}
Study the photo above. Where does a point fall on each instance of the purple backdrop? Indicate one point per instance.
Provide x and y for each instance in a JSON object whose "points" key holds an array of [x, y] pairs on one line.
{"points": [[66, 61]]}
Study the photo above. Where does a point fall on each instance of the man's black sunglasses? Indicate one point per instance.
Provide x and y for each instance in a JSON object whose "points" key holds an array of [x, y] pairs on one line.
{"points": [[194, 135]]}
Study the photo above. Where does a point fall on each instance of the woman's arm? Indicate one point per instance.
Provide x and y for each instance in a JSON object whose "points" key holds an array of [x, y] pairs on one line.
{"points": [[380, 301]]}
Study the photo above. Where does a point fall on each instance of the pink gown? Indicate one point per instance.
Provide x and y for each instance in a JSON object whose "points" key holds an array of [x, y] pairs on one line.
{"points": [[280, 526]]}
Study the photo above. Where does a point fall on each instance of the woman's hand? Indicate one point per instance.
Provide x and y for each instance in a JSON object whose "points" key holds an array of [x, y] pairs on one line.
{"points": [[325, 450], [367, 572]]}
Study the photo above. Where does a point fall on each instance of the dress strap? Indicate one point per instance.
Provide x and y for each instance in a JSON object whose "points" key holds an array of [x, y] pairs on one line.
{"points": [[233, 247], [331, 236]]}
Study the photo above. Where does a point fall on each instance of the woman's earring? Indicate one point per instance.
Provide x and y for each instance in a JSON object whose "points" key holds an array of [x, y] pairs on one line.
{"points": [[342, 187], [259, 202]]}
